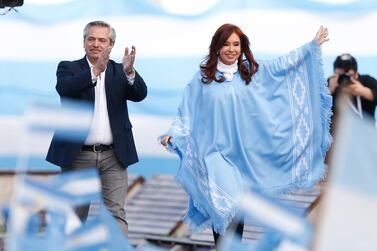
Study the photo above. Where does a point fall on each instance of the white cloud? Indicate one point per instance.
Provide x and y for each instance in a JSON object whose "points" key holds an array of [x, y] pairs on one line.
{"points": [[169, 37], [48, 2], [336, 2], [186, 7]]}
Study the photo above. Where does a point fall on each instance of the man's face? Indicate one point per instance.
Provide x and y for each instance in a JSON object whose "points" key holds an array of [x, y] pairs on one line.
{"points": [[97, 40]]}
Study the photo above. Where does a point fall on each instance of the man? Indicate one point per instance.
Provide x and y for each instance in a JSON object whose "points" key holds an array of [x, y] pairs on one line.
{"points": [[109, 145], [362, 89]]}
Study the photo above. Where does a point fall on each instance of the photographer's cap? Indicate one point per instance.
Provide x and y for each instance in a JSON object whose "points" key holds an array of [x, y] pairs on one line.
{"points": [[346, 62]]}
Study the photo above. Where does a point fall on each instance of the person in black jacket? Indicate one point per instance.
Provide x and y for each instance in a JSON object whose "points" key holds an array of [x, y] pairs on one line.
{"points": [[109, 145], [362, 89]]}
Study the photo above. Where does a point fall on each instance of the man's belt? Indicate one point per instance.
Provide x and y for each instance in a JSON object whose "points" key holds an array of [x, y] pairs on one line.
{"points": [[97, 148]]}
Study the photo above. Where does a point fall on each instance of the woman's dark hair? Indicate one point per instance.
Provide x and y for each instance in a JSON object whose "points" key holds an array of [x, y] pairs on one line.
{"points": [[209, 65]]}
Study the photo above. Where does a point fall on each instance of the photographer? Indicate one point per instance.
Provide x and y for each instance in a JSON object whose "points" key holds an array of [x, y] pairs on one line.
{"points": [[362, 89]]}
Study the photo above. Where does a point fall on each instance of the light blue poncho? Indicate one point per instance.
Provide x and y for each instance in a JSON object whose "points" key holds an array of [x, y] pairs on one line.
{"points": [[274, 132]]}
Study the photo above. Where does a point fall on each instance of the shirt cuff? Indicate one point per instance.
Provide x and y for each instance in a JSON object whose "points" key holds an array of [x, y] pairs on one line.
{"points": [[131, 79]]}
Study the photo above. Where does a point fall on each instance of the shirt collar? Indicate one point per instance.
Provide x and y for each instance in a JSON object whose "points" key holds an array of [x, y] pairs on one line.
{"points": [[90, 64], [227, 70]]}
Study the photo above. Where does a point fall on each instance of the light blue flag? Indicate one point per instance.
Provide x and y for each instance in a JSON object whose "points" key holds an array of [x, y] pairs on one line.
{"points": [[102, 233], [70, 120], [271, 241], [233, 241], [275, 241], [348, 212], [58, 197], [4, 215], [79, 186], [281, 222], [25, 232], [69, 188], [286, 228]]}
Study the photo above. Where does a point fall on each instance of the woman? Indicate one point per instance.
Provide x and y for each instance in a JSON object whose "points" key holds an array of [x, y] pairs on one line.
{"points": [[262, 122]]}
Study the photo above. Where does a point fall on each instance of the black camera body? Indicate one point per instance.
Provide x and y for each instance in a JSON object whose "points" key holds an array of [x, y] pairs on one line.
{"points": [[11, 3], [344, 80]]}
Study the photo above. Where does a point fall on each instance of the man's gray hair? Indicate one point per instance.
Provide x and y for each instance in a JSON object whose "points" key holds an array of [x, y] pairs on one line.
{"points": [[101, 24]]}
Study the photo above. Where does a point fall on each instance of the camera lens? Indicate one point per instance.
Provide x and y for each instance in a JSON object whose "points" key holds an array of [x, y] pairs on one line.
{"points": [[344, 79]]}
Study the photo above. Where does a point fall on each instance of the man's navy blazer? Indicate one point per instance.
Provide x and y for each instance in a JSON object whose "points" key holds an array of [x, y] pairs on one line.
{"points": [[74, 81]]}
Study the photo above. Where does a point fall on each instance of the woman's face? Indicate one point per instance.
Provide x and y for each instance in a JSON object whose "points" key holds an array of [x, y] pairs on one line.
{"points": [[231, 50]]}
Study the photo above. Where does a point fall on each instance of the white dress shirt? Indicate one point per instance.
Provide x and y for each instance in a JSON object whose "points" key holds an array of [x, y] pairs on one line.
{"points": [[100, 130]]}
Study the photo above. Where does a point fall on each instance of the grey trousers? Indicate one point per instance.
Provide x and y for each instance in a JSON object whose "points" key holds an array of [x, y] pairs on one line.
{"points": [[113, 178]]}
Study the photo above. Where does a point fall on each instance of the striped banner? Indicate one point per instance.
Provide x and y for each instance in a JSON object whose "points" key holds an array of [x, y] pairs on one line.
{"points": [[172, 38]]}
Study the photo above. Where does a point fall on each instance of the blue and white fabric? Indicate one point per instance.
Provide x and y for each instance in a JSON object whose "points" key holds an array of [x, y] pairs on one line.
{"points": [[62, 229], [273, 132]]}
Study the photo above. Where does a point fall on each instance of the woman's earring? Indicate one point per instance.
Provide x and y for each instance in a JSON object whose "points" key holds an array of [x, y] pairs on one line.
{"points": [[217, 53]]}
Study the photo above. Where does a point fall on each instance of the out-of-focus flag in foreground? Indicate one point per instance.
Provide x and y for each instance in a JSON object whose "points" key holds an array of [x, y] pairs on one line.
{"points": [[26, 137], [61, 230], [287, 229], [102, 233], [277, 218], [276, 241], [347, 219], [57, 197], [70, 121]]}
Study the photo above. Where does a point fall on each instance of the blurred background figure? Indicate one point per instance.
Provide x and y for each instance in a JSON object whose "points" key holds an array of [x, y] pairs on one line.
{"points": [[347, 217], [361, 89]]}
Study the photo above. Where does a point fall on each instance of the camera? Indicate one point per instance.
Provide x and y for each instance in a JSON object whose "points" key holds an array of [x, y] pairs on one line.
{"points": [[11, 3], [344, 80]]}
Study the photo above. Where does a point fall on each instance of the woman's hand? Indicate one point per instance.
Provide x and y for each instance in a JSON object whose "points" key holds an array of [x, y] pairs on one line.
{"points": [[322, 35], [165, 140]]}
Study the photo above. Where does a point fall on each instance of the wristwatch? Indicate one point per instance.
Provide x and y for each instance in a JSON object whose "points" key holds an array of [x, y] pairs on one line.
{"points": [[129, 72]]}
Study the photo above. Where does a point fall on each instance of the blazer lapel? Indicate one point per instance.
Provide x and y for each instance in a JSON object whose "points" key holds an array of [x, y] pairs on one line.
{"points": [[108, 78], [84, 65]]}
